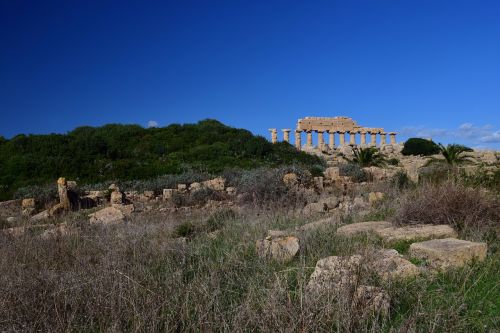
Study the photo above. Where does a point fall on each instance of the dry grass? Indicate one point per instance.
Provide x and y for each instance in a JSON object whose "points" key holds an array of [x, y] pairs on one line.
{"points": [[464, 208]]}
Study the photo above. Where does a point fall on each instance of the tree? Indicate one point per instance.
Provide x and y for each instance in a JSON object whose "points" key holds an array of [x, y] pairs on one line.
{"points": [[418, 146], [366, 157], [454, 153]]}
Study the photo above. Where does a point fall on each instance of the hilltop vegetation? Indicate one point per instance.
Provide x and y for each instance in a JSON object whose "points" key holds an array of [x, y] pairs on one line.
{"points": [[126, 152]]}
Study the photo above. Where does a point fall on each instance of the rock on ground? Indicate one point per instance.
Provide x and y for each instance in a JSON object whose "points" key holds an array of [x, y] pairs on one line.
{"points": [[390, 265], [108, 215], [362, 227], [281, 248], [449, 252], [371, 301], [416, 232], [60, 230], [335, 274]]}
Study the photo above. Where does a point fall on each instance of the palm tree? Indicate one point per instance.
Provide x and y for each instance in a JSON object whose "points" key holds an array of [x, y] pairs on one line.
{"points": [[366, 157], [454, 153]]}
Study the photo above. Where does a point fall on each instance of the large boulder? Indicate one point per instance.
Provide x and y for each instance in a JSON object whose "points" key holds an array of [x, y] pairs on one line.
{"points": [[281, 248], [362, 228], [416, 232], [28, 206], [448, 252], [390, 265], [106, 216], [335, 275]]}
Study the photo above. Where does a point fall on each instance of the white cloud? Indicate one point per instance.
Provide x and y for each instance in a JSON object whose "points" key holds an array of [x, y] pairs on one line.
{"points": [[152, 123], [467, 131], [492, 138]]}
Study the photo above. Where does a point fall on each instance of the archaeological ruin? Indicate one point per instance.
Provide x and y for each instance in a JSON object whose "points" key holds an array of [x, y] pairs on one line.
{"points": [[334, 126]]}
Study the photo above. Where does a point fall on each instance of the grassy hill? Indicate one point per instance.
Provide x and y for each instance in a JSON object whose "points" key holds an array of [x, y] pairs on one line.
{"points": [[125, 152]]}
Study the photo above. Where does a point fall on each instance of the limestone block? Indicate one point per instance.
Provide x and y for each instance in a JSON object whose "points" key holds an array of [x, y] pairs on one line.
{"points": [[334, 274], [283, 248], [107, 216], [390, 265], [125, 209], [182, 188], [149, 194], [318, 183], [362, 227], [332, 173], [314, 208], [371, 301], [195, 187], [116, 198], [448, 252], [231, 191], [167, 193], [376, 172], [416, 232], [216, 184], [28, 206], [44, 215]]}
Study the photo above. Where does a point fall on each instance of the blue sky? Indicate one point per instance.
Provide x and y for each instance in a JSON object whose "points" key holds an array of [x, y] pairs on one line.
{"points": [[426, 68]]}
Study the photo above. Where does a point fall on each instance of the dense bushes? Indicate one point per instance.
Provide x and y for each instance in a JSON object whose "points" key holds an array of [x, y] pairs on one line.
{"points": [[462, 207], [418, 146], [130, 152]]}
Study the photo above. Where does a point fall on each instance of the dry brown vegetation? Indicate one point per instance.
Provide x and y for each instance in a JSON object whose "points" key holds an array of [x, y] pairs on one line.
{"points": [[138, 277]]}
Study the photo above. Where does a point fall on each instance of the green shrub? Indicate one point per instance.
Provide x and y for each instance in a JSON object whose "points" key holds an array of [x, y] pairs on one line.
{"points": [[401, 180], [393, 161], [218, 219], [354, 171], [418, 146], [185, 229]]}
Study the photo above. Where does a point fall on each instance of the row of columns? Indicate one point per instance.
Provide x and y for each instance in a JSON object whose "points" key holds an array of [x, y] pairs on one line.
{"points": [[331, 137]]}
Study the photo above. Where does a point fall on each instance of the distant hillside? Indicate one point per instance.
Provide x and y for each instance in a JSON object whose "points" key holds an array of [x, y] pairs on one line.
{"points": [[124, 152]]}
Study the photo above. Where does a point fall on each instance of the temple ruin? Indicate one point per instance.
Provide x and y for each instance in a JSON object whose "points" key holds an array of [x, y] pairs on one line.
{"points": [[334, 126]]}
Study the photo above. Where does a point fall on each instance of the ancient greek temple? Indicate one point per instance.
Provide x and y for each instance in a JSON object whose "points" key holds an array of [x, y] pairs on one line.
{"points": [[340, 127]]}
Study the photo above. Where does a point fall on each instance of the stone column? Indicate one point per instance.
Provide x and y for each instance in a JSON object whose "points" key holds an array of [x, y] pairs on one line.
{"points": [[342, 138], [286, 135], [298, 139], [274, 135], [62, 190], [352, 139], [363, 137], [331, 139], [321, 139], [309, 141], [373, 136], [392, 135], [383, 139]]}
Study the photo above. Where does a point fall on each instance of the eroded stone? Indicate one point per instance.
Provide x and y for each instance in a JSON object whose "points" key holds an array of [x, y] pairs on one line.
{"points": [[362, 227], [335, 274], [416, 232], [448, 252], [282, 248], [106, 216]]}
